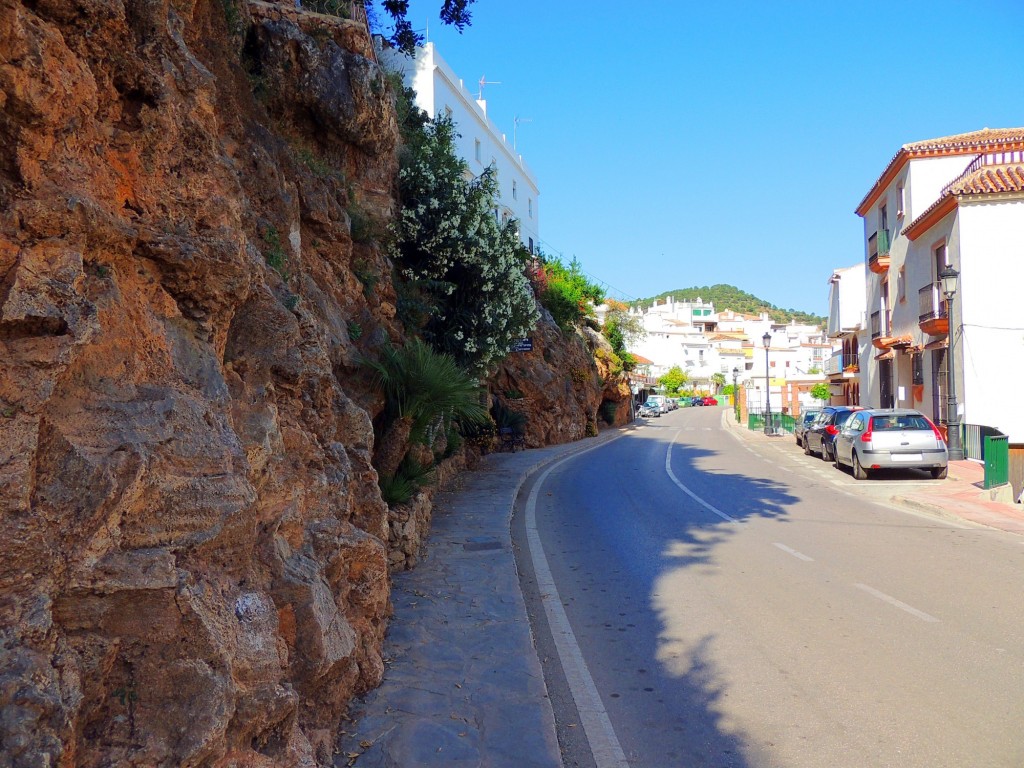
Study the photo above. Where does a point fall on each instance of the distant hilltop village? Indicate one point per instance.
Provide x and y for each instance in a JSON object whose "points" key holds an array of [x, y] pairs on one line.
{"points": [[703, 342]]}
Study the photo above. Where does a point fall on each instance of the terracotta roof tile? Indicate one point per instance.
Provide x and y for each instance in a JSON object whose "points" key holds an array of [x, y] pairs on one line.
{"points": [[972, 141], [960, 144], [991, 179]]}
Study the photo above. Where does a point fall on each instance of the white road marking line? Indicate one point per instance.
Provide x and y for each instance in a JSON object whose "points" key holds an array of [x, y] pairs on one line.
{"points": [[899, 604], [794, 553], [687, 491], [604, 744]]}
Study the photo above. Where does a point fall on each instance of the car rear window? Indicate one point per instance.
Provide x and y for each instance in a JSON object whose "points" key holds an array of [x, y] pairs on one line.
{"points": [[897, 423], [843, 416]]}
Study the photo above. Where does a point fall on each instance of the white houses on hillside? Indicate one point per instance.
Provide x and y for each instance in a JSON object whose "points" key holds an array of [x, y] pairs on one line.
{"points": [[479, 143], [954, 202]]}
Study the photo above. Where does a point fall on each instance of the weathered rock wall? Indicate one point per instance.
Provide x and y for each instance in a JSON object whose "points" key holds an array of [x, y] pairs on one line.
{"points": [[196, 555], [560, 385], [195, 566]]}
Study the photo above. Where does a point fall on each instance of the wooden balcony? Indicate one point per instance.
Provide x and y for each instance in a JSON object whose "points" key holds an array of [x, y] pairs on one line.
{"points": [[878, 252], [932, 315]]}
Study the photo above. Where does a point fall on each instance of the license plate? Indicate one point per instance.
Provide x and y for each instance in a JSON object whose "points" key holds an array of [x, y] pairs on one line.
{"points": [[906, 457]]}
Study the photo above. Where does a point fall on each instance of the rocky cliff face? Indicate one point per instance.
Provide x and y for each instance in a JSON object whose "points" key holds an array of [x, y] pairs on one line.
{"points": [[195, 560], [196, 555], [565, 385]]}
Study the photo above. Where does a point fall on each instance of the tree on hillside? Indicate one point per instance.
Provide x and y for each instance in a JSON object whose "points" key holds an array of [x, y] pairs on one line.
{"points": [[730, 297]]}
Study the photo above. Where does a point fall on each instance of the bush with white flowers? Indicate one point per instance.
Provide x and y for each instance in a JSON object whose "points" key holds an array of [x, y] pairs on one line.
{"points": [[469, 269]]}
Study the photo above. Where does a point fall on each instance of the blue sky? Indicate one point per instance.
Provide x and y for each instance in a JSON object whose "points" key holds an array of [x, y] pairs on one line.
{"points": [[680, 143]]}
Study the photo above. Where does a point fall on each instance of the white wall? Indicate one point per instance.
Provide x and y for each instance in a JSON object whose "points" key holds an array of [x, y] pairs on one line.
{"points": [[439, 89], [989, 308]]}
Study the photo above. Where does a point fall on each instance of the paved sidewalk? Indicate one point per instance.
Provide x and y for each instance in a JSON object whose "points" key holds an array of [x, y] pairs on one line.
{"points": [[463, 685], [960, 495]]}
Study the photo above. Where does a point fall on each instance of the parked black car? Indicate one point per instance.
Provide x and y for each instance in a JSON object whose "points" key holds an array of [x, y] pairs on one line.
{"points": [[820, 437], [697, 400], [806, 418]]}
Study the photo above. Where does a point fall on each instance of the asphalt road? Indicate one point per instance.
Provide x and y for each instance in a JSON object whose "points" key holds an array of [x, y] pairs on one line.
{"points": [[696, 603]]}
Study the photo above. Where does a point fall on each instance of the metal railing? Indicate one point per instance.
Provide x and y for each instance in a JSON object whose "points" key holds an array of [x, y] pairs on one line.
{"points": [[839, 362], [973, 439], [1002, 157], [878, 246], [930, 302], [879, 324], [779, 423]]}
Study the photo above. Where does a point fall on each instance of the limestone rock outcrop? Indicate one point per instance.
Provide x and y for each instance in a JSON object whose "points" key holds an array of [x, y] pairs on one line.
{"points": [[196, 554], [195, 566], [562, 385]]}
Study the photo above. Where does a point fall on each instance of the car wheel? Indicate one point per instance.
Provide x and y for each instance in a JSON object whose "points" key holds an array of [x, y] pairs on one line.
{"points": [[825, 456], [939, 473], [807, 447], [859, 473], [798, 440]]}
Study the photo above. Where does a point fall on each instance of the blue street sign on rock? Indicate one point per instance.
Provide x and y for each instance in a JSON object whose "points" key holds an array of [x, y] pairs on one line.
{"points": [[523, 345]]}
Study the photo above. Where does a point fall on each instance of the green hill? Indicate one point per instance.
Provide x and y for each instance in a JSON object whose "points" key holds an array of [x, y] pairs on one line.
{"points": [[730, 297]]}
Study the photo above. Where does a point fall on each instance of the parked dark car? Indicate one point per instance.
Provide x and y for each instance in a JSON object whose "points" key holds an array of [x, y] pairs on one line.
{"points": [[806, 418], [697, 400], [891, 438], [819, 438]]}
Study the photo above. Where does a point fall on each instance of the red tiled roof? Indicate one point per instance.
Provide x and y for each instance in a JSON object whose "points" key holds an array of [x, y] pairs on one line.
{"points": [[973, 141], [991, 179], [960, 144], [986, 180], [641, 360]]}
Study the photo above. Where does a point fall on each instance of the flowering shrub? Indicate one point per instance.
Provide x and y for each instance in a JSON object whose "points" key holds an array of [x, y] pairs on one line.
{"points": [[467, 266], [566, 292]]}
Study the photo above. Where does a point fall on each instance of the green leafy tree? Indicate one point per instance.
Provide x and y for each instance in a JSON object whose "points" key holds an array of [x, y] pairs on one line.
{"points": [[465, 267], [718, 379], [821, 392], [673, 380], [567, 293], [453, 12]]}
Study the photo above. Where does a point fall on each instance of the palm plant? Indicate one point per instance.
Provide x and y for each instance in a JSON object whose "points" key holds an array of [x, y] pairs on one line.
{"points": [[424, 391]]}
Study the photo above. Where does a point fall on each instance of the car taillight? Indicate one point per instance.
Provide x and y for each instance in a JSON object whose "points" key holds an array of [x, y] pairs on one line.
{"points": [[938, 435], [866, 437], [832, 429]]}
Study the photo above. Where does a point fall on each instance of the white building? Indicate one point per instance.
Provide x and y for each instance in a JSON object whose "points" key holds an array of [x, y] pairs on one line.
{"points": [[955, 201], [703, 342], [846, 326], [479, 142]]}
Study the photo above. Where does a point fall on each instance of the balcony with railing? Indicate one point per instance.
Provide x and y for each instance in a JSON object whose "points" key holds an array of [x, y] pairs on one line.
{"points": [[879, 324], [932, 315], [842, 365], [878, 252]]}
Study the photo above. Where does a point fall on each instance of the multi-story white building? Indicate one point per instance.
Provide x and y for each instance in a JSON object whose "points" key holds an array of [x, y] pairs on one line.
{"points": [[957, 202], [479, 142], [846, 326]]}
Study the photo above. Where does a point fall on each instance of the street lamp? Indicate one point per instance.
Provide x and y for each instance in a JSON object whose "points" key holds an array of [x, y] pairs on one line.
{"points": [[736, 393], [767, 339], [949, 276]]}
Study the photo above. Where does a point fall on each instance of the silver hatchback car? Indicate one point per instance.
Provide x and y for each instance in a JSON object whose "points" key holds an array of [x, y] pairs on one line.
{"points": [[891, 438]]}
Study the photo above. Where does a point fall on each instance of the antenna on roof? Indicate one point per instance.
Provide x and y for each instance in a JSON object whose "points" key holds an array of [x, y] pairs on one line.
{"points": [[484, 81], [515, 128]]}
